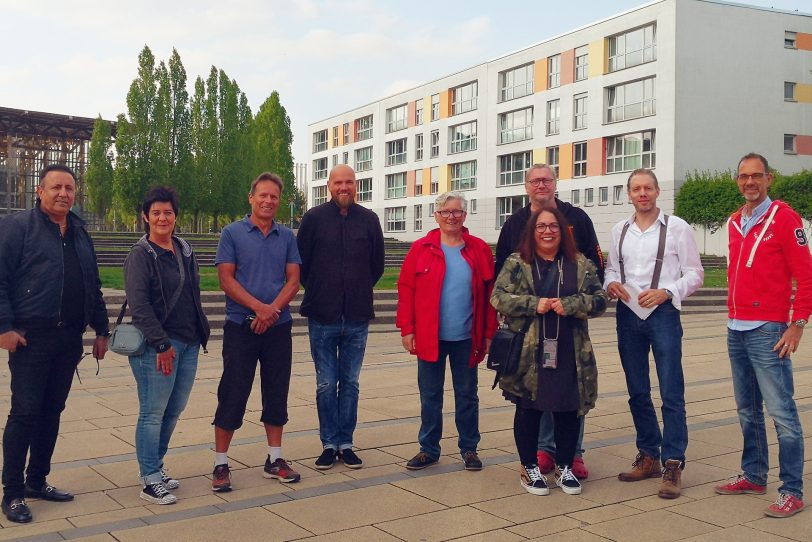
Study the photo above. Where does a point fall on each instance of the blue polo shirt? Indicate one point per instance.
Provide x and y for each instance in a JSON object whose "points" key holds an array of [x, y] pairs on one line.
{"points": [[260, 262]]}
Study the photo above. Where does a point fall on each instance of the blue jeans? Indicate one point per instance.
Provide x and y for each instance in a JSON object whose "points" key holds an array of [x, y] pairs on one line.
{"points": [[761, 377], [161, 399], [547, 435], [338, 352], [431, 381], [661, 333]]}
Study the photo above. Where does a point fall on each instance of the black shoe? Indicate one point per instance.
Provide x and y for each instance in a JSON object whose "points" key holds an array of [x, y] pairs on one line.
{"points": [[421, 461], [350, 459], [48, 493], [472, 461], [17, 511], [326, 459]]}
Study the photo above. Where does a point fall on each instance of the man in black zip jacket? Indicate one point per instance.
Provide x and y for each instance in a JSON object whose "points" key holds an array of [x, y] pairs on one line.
{"points": [[50, 292], [540, 183]]}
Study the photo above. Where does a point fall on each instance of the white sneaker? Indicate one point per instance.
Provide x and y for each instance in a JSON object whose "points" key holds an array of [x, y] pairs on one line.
{"points": [[158, 494], [566, 480], [533, 481]]}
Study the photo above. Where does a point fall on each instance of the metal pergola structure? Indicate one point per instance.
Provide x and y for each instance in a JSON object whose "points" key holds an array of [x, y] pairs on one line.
{"points": [[31, 140]]}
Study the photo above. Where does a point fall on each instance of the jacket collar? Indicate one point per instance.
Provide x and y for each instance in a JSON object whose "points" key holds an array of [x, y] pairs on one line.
{"points": [[433, 237], [73, 218]]}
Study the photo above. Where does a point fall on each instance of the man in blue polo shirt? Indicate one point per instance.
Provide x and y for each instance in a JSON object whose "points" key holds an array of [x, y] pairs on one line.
{"points": [[258, 267]]}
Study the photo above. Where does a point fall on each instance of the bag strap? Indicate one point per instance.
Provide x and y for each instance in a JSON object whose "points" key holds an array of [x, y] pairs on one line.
{"points": [[121, 312], [658, 267]]}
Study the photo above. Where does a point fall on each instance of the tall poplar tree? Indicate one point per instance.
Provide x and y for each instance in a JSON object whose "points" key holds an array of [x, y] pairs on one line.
{"points": [[99, 174], [272, 138]]}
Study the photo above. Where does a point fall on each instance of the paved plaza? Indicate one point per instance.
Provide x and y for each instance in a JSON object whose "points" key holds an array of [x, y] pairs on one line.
{"points": [[383, 501]]}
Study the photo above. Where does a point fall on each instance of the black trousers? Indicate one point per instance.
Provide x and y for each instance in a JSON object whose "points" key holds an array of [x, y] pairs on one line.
{"points": [[41, 377], [526, 432]]}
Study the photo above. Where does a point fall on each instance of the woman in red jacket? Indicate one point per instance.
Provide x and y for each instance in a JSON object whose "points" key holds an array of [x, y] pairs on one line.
{"points": [[443, 312]]}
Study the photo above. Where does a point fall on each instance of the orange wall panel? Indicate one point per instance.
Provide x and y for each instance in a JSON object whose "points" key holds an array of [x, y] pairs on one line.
{"points": [[410, 108], [565, 161], [540, 75], [803, 41], [568, 67], [595, 157], [410, 176], [445, 104], [426, 180], [803, 144]]}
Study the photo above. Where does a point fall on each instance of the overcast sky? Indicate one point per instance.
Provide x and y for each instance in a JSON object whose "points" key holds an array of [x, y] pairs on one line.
{"points": [[323, 56]]}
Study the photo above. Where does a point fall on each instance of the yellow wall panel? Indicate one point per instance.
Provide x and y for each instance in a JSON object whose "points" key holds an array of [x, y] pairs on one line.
{"points": [[539, 156], [426, 109], [598, 61], [565, 161], [540, 75], [445, 104], [329, 138], [445, 176], [803, 93], [427, 171]]}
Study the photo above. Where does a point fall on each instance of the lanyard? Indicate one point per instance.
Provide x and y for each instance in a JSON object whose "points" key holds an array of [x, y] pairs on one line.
{"points": [[557, 294]]}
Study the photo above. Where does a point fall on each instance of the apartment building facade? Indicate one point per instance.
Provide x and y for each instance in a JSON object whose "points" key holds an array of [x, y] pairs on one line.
{"points": [[674, 85]]}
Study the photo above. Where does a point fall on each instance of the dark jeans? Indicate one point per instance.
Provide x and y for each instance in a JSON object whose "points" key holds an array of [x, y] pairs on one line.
{"points": [[242, 348], [431, 381], [661, 333], [526, 432], [41, 377]]}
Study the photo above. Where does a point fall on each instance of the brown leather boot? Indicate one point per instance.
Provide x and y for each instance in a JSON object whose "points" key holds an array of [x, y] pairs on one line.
{"points": [[644, 466], [672, 480]]}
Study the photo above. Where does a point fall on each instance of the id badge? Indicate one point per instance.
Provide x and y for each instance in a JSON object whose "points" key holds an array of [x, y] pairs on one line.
{"points": [[549, 354]]}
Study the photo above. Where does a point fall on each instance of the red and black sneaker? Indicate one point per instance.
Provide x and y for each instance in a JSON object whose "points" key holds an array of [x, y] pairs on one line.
{"points": [[280, 470]]}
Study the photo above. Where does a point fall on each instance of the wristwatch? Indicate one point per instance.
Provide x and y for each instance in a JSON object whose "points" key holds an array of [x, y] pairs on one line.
{"points": [[669, 293], [799, 323]]}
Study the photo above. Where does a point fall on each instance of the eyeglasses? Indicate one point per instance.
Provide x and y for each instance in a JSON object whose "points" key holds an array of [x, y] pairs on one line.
{"points": [[743, 177], [555, 227], [456, 213], [547, 181]]}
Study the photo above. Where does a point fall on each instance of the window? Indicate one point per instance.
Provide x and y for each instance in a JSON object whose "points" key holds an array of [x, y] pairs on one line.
{"points": [[418, 147], [320, 140], [516, 125], [418, 182], [554, 71], [434, 152], [418, 112], [630, 101], [789, 91], [463, 98], [553, 116], [435, 182], [575, 197], [396, 118], [507, 206], [579, 159], [435, 106], [789, 144], [516, 82], [472, 206], [346, 135], [789, 40], [396, 185], [395, 218], [335, 136], [589, 196], [363, 159], [552, 158], [633, 48], [431, 209], [364, 189], [346, 158], [579, 112], [618, 194], [581, 63], [319, 195], [462, 137], [320, 168], [418, 218], [629, 152], [463, 175], [513, 167], [363, 127], [603, 195], [396, 152], [335, 160]]}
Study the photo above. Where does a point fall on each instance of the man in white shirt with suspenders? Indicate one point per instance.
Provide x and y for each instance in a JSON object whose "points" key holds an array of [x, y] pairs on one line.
{"points": [[653, 265]]}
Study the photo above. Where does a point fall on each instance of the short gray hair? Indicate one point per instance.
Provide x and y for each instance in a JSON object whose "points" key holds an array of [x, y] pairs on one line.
{"points": [[548, 167], [453, 194]]}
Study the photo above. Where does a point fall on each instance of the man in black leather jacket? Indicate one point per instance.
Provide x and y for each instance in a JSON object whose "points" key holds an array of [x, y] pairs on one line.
{"points": [[50, 292]]}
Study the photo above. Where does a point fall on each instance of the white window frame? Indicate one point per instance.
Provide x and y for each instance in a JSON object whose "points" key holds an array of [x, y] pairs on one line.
{"points": [[603, 195], [435, 107], [364, 191], [396, 152], [434, 185], [462, 137], [789, 91], [516, 82], [320, 169], [790, 39], [621, 56], [632, 100], [346, 157], [364, 126], [346, 134], [418, 112], [513, 167], [617, 198], [554, 71], [508, 205], [395, 185], [396, 118], [434, 142], [579, 159], [472, 207], [363, 159], [790, 144], [628, 152], [335, 136], [463, 98], [395, 219], [580, 104], [553, 157], [582, 63], [418, 182], [463, 175], [320, 140], [319, 195], [553, 117], [589, 197], [418, 147], [575, 197], [335, 160], [418, 217], [515, 125]]}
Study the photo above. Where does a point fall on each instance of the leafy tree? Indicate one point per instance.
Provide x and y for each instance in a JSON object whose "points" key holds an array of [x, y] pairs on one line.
{"points": [[271, 140], [181, 175], [99, 174], [707, 199], [796, 190]]}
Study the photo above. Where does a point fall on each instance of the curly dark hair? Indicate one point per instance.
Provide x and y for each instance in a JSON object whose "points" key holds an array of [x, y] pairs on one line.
{"points": [[527, 246]]}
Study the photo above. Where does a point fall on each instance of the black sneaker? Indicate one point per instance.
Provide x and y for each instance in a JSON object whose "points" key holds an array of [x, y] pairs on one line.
{"points": [[350, 459], [421, 461], [168, 481], [472, 461], [158, 494], [533, 481], [221, 479], [326, 459], [566, 480]]}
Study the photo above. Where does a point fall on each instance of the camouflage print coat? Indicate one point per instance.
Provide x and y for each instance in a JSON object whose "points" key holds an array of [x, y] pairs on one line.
{"points": [[514, 296]]}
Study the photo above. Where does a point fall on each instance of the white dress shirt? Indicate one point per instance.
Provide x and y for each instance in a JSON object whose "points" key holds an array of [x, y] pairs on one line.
{"points": [[682, 273]]}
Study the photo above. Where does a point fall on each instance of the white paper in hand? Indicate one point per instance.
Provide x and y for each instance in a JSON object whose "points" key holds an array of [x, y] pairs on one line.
{"points": [[634, 293]]}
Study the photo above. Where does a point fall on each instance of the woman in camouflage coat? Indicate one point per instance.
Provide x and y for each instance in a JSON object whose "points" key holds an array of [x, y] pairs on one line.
{"points": [[570, 292]]}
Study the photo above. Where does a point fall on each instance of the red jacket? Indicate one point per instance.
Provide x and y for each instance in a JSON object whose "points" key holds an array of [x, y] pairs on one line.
{"points": [[419, 287], [763, 263]]}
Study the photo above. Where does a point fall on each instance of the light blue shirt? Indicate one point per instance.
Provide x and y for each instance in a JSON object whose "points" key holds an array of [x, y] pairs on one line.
{"points": [[747, 224], [456, 302]]}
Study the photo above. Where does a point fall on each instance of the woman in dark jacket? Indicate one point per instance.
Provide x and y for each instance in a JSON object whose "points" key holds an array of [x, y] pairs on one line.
{"points": [[163, 290]]}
